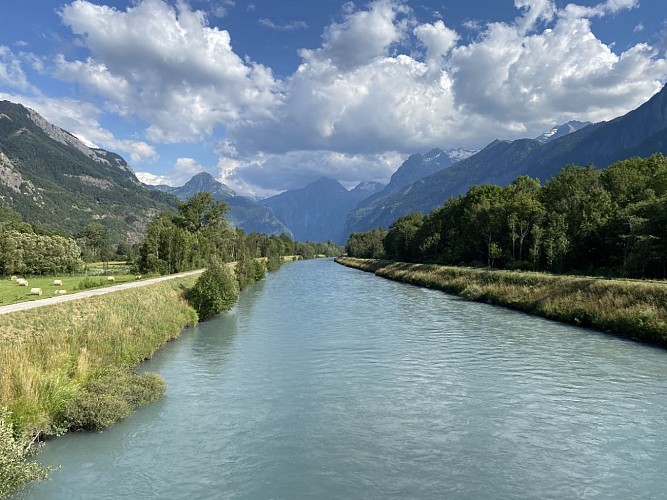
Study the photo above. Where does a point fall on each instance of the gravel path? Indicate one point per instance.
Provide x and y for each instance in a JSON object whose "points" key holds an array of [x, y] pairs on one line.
{"points": [[23, 306]]}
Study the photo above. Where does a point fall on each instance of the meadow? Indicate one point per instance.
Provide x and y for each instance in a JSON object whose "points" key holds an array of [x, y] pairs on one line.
{"points": [[95, 275]]}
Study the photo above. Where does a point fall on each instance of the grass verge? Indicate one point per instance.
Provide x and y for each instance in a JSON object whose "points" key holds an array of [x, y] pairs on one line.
{"points": [[631, 309], [69, 366]]}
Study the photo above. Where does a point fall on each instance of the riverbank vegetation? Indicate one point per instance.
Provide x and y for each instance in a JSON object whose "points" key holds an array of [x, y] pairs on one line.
{"points": [[610, 222], [628, 308], [70, 366]]}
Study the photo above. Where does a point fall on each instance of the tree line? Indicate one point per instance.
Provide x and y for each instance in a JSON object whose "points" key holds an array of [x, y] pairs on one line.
{"points": [[190, 238], [582, 220]]}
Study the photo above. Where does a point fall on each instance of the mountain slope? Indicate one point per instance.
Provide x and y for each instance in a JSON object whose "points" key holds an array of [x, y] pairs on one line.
{"points": [[642, 131], [316, 212], [243, 212], [48, 175], [562, 130]]}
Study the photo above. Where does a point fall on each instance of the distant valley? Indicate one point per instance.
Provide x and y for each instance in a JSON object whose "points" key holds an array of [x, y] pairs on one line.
{"points": [[49, 176]]}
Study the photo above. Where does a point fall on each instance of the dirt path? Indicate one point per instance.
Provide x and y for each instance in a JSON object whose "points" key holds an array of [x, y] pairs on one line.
{"points": [[23, 306]]}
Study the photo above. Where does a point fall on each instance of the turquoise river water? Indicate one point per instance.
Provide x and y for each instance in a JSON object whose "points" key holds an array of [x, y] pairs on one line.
{"points": [[327, 382]]}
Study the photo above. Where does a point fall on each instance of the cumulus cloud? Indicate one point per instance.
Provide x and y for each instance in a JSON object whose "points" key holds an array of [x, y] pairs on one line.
{"points": [[380, 81], [268, 174], [180, 173], [167, 66]]}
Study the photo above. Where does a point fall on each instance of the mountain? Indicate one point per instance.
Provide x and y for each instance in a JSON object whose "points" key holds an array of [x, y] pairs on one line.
{"points": [[316, 212], [561, 130], [640, 132], [365, 189], [243, 212], [416, 167], [50, 176]]}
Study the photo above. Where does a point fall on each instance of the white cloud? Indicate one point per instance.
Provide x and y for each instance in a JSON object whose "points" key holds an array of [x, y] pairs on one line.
{"points": [[180, 173], [362, 37], [11, 71], [267, 174], [289, 26], [379, 82], [167, 66], [512, 81]]}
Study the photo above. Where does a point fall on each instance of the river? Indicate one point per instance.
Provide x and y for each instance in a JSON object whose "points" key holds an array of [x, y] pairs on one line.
{"points": [[328, 382]]}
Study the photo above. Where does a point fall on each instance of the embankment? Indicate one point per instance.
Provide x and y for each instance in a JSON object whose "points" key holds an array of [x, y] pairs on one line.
{"points": [[69, 365], [628, 308]]}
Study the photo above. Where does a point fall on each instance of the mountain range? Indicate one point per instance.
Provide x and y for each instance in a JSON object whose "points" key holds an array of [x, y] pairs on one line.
{"points": [[640, 132], [49, 176], [318, 211], [243, 212]]}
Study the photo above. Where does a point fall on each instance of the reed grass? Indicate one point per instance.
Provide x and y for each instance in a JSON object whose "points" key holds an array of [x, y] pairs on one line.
{"points": [[629, 308]]}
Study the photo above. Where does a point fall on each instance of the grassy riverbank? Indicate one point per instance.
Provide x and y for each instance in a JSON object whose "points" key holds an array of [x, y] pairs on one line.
{"points": [[632, 309], [69, 366]]}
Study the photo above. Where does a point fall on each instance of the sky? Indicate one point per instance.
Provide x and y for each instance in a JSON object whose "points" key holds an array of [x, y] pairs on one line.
{"points": [[270, 95]]}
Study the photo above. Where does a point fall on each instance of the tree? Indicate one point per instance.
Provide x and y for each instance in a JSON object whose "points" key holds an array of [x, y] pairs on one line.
{"points": [[399, 243], [201, 211], [215, 291], [525, 211], [96, 242]]}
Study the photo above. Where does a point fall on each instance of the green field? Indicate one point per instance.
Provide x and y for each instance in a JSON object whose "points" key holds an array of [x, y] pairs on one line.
{"points": [[11, 293]]}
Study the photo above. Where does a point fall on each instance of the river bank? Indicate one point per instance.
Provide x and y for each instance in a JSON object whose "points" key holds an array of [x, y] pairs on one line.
{"points": [[630, 309], [69, 365]]}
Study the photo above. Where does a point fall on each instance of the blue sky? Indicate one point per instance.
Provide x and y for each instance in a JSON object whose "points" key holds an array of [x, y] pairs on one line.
{"points": [[269, 95]]}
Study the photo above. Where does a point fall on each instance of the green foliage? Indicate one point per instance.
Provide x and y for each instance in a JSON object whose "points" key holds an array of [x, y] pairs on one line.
{"points": [[15, 470], [367, 245], [109, 397], [273, 262], [34, 254], [215, 291], [259, 269], [611, 221]]}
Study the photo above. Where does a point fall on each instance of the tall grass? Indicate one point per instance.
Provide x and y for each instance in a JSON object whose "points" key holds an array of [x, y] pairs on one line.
{"points": [[632, 309], [52, 356]]}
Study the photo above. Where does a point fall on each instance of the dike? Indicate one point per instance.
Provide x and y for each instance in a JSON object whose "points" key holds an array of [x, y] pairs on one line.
{"points": [[631, 309]]}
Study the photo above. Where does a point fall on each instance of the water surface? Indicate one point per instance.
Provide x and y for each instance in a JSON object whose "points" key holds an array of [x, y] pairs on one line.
{"points": [[327, 382]]}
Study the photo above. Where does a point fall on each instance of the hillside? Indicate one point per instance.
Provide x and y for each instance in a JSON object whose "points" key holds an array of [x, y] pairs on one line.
{"points": [[49, 176], [640, 132]]}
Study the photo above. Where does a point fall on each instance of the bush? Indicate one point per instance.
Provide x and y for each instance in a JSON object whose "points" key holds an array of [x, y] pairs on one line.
{"points": [[215, 291], [259, 269], [110, 397], [273, 262], [15, 471]]}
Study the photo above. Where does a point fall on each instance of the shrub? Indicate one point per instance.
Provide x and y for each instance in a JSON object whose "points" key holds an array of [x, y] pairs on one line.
{"points": [[273, 262], [15, 470], [259, 269], [110, 397], [215, 291]]}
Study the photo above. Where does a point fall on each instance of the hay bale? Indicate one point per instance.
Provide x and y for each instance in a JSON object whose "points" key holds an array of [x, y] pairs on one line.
{"points": [[35, 291], [57, 282], [111, 278], [22, 282], [137, 277], [14, 278], [59, 292]]}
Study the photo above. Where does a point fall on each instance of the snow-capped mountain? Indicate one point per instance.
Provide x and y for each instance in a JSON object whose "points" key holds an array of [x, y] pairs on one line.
{"points": [[561, 130]]}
